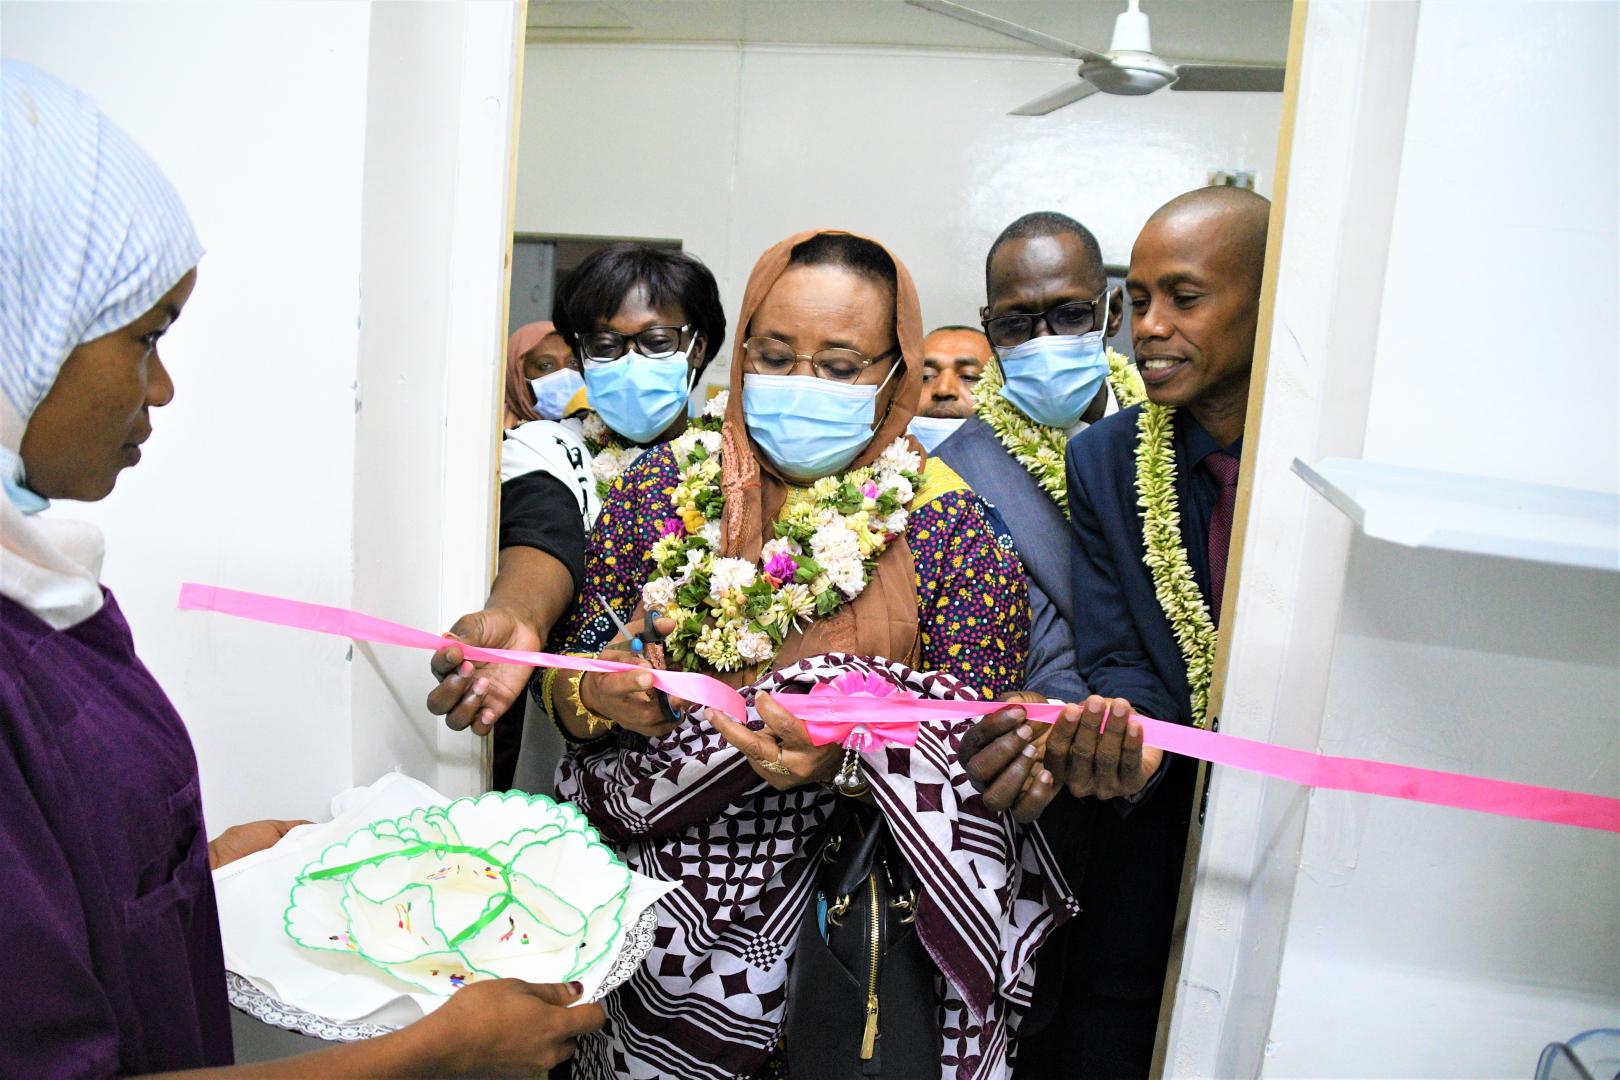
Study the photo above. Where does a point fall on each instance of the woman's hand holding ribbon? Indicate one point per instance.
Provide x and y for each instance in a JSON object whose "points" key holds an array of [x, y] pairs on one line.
{"points": [[625, 697], [782, 754]]}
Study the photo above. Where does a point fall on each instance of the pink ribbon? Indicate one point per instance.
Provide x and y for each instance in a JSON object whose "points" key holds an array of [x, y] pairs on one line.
{"points": [[352, 624], [832, 714]]}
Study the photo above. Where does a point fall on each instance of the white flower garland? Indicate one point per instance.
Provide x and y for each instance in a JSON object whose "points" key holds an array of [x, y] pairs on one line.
{"points": [[731, 614], [1038, 448], [611, 453], [1166, 554]]}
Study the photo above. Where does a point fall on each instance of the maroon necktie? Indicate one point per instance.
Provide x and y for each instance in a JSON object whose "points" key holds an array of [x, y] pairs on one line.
{"points": [[1223, 467]]}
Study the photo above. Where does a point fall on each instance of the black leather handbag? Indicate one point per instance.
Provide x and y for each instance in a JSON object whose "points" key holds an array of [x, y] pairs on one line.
{"points": [[863, 999]]}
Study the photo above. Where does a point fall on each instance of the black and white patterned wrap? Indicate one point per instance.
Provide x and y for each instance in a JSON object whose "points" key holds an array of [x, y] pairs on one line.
{"points": [[710, 999]]}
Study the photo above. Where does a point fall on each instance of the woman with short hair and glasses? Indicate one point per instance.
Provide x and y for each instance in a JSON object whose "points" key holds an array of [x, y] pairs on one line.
{"points": [[804, 539], [641, 322], [644, 323]]}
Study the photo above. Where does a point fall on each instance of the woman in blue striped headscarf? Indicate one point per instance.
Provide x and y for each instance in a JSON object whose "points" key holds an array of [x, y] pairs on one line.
{"points": [[96, 258], [108, 923]]}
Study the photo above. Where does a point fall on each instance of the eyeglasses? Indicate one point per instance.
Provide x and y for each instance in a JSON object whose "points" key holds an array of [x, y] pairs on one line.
{"points": [[655, 343], [772, 357], [1070, 317]]}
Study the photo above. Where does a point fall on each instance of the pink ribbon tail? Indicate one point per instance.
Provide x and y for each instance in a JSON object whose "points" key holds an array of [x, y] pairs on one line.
{"points": [[699, 689]]}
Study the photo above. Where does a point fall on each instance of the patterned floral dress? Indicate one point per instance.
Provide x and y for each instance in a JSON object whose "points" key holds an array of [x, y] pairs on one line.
{"points": [[972, 603]]}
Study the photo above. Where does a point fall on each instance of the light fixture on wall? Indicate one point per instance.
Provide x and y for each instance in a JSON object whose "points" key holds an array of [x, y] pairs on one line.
{"points": [[1129, 67]]}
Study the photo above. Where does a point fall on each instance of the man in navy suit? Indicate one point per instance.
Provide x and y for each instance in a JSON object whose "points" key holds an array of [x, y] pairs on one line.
{"points": [[1121, 810]]}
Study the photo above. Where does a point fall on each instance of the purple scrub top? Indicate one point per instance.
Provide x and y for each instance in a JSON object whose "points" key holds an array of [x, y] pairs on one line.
{"points": [[110, 959]]}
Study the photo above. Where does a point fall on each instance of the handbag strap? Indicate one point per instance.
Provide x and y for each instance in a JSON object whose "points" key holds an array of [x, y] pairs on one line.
{"points": [[852, 851], [860, 846]]}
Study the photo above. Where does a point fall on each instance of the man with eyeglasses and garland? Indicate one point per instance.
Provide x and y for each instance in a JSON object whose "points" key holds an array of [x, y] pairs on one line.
{"points": [[1152, 495], [1048, 313]]}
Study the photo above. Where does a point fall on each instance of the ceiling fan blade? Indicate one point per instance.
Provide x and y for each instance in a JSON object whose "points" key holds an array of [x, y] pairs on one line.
{"points": [[1009, 29], [1257, 78], [1056, 99]]}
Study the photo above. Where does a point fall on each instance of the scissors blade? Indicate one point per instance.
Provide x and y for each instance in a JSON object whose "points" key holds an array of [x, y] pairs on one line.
{"points": [[618, 622]]}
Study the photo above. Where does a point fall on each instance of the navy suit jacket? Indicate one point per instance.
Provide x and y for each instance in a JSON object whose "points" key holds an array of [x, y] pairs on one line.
{"points": [[1125, 867], [1126, 647], [1045, 546]]}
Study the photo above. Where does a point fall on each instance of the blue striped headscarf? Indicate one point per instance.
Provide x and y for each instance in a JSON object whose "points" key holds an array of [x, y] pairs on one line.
{"points": [[92, 235]]}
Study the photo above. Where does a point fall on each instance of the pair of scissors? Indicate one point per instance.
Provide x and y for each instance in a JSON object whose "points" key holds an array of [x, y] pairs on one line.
{"points": [[637, 643]]}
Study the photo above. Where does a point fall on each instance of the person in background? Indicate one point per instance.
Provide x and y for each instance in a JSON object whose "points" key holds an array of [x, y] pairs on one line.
{"points": [[109, 925], [641, 323], [953, 359], [542, 375], [1194, 287]]}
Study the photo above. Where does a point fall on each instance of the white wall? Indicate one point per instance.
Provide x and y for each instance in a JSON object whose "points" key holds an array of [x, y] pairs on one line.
{"points": [[1429, 942], [742, 147], [1503, 297], [434, 236], [249, 477], [1347, 936], [332, 437]]}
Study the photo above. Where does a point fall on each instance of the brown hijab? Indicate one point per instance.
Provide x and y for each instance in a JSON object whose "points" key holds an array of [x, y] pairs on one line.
{"points": [[519, 394], [882, 621]]}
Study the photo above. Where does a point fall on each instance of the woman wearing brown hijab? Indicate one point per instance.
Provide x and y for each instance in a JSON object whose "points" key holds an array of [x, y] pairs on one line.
{"points": [[824, 379], [537, 363]]}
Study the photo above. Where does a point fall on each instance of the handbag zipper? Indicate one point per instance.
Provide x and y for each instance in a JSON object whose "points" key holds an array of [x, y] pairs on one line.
{"points": [[869, 1038]]}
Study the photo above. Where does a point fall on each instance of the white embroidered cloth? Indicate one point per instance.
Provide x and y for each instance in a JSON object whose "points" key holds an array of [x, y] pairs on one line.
{"points": [[253, 894]]}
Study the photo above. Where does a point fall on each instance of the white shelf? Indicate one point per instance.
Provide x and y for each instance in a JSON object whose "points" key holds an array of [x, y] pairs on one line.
{"points": [[1453, 512]]}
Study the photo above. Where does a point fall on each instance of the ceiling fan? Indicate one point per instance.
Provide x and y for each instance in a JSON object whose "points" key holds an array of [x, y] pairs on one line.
{"points": [[1128, 67]]}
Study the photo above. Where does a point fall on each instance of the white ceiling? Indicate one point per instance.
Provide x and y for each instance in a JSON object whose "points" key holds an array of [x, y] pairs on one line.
{"points": [[1221, 30]]}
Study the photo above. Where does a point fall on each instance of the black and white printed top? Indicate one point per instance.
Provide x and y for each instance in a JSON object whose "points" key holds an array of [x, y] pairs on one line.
{"points": [[548, 495]]}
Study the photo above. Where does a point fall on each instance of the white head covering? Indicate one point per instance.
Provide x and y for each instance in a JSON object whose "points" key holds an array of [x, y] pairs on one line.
{"points": [[92, 235]]}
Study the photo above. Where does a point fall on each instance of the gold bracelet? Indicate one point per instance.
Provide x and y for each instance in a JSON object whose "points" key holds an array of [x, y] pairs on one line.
{"points": [[593, 720], [548, 690]]}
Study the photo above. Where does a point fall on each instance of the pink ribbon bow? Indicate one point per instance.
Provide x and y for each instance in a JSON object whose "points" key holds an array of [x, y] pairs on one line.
{"points": [[862, 732]]}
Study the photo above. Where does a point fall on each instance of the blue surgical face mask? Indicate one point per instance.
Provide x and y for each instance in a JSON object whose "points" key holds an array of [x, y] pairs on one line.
{"points": [[1053, 379], [638, 397], [933, 430], [809, 427], [554, 390], [16, 490]]}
